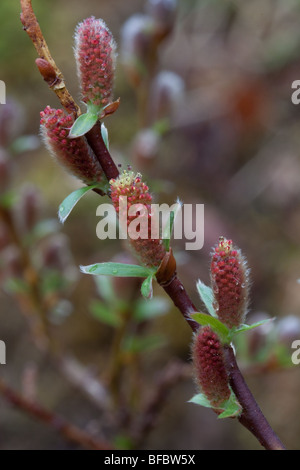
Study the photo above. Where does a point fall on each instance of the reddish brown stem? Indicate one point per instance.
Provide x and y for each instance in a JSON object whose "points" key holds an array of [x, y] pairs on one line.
{"points": [[252, 417], [96, 142], [182, 301], [67, 430], [172, 374], [47, 67]]}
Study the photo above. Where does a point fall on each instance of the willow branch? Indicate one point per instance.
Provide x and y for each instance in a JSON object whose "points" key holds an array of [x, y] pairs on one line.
{"points": [[252, 417], [59, 424], [36, 312], [96, 142], [48, 68], [172, 374]]}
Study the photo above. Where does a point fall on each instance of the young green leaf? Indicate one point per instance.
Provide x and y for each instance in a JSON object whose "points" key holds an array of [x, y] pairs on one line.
{"points": [[146, 288], [207, 297], [243, 328], [44, 228], [117, 270], [83, 124], [103, 313], [200, 399], [136, 344], [231, 408], [147, 310], [14, 285], [218, 327], [104, 133], [70, 202], [53, 281], [105, 289], [169, 226], [25, 143]]}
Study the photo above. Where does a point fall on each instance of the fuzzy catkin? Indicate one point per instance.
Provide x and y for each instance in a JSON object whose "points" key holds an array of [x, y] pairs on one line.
{"points": [[209, 365], [149, 250], [229, 275], [95, 54], [73, 154]]}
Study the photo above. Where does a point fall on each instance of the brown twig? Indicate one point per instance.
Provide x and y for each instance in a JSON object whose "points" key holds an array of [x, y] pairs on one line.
{"points": [[252, 417], [36, 313], [48, 67], [67, 430], [99, 148], [54, 78], [169, 377], [176, 291]]}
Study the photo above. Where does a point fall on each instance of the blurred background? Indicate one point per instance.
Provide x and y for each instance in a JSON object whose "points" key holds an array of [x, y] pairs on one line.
{"points": [[210, 120]]}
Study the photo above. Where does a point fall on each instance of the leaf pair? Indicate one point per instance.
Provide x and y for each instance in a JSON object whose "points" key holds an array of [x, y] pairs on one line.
{"points": [[225, 334], [230, 408]]}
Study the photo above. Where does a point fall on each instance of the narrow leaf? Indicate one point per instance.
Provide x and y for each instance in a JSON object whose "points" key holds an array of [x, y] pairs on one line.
{"points": [[231, 407], [200, 399], [169, 226], [25, 143], [14, 285], [105, 314], [116, 269], [44, 228], [207, 297], [146, 288], [218, 327], [148, 310], [136, 344], [104, 133], [243, 328], [70, 202], [105, 289], [82, 125]]}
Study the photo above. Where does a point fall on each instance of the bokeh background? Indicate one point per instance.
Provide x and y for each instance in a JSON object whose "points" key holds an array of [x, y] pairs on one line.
{"points": [[232, 144]]}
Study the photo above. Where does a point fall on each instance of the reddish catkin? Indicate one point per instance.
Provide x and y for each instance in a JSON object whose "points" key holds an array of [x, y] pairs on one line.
{"points": [[149, 250], [210, 371], [73, 154], [95, 54], [230, 283]]}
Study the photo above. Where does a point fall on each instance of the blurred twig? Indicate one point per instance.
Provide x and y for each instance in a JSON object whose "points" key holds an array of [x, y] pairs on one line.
{"points": [[67, 430], [172, 374], [36, 313]]}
